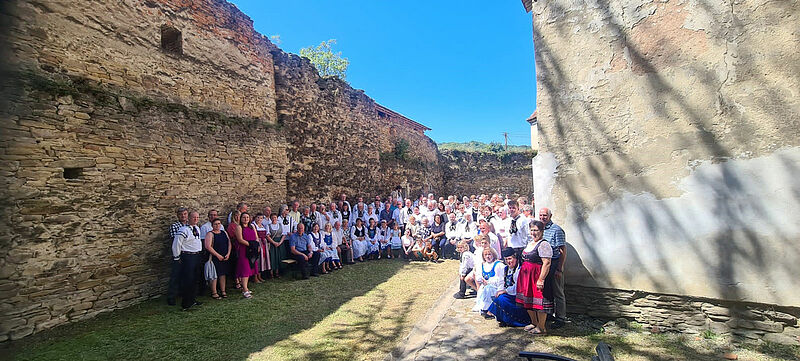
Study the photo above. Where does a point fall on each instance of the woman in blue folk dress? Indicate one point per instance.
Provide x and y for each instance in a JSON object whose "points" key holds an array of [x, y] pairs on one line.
{"points": [[504, 306], [329, 249], [489, 281]]}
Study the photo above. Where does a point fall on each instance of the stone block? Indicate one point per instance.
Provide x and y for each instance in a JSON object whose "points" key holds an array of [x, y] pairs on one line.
{"points": [[82, 306], [719, 327], [88, 284], [782, 338], [104, 303], [39, 318], [51, 323], [787, 319], [66, 99], [11, 324], [767, 326], [21, 332]]}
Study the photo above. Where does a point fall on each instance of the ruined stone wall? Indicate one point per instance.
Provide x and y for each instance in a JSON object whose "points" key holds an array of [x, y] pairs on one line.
{"points": [[467, 173], [672, 131], [337, 139], [104, 134], [224, 64]]}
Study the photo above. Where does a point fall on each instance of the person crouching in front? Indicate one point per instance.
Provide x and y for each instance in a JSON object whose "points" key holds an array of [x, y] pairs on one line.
{"points": [[464, 268]]}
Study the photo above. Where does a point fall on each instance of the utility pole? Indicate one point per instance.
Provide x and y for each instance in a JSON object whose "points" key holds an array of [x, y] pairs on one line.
{"points": [[505, 135]]}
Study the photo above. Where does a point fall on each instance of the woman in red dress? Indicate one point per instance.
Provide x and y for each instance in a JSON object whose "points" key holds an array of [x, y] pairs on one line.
{"points": [[534, 290]]}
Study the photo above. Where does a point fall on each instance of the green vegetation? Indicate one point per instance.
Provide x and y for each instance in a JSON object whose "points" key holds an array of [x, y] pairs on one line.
{"points": [[328, 63], [401, 149], [481, 147], [492, 148], [400, 155], [360, 312], [708, 334]]}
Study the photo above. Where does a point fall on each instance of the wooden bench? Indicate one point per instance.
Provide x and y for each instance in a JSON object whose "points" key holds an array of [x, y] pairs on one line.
{"points": [[292, 266], [603, 354]]}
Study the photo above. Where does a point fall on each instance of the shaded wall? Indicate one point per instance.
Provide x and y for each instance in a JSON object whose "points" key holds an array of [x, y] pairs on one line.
{"points": [[674, 131], [468, 173], [337, 139]]}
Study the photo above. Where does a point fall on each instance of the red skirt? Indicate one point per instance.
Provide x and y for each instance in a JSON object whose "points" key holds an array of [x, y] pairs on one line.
{"points": [[530, 297]]}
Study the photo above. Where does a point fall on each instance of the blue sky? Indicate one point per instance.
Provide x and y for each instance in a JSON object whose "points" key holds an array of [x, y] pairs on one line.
{"points": [[463, 68]]}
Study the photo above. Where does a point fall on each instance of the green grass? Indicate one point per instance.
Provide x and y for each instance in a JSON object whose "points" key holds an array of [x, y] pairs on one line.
{"points": [[359, 312]]}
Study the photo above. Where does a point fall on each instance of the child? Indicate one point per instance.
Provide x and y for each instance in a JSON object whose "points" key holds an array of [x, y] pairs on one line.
{"points": [[329, 252], [481, 242], [372, 240], [383, 241], [429, 254], [418, 250], [408, 244], [395, 241], [465, 268]]}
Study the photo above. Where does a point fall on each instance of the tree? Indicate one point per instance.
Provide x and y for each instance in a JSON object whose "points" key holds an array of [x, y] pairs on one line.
{"points": [[328, 63]]}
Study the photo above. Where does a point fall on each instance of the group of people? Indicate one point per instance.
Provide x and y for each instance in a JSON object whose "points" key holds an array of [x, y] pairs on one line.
{"points": [[512, 262]]}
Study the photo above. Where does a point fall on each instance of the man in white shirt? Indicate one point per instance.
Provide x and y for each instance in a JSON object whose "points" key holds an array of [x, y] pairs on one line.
{"points": [[334, 215], [429, 212], [518, 230], [343, 199], [468, 230], [174, 285], [359, 213], [405, 213], [377, 205], [286, 222], [452, 233], [186, 248], [501, 225], [396, 210], [295, 212], [267, 217], [321, 215], [241, 207], [206, 227]]}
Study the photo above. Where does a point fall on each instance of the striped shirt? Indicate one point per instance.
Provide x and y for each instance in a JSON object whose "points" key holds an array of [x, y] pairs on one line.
{"points": [[556, 237]]}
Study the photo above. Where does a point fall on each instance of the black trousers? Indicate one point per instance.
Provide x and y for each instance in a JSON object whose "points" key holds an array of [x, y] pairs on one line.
{"points": [[313, 262], [347, 254], [449, 250], [190, 265], [436, 244], [174, 280], [462, 285]]}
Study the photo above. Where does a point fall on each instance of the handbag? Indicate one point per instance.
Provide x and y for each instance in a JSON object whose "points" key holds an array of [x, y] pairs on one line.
{"points": [[209, 270], [252, 253]]}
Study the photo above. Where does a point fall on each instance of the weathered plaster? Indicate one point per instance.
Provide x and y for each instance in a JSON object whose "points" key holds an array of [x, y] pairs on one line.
{"points": [[675, 127], [728, 234]]}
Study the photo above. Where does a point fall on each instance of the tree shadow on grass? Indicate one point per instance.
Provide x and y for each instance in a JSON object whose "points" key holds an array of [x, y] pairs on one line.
{"points": [[228, 329], [354, 340]]}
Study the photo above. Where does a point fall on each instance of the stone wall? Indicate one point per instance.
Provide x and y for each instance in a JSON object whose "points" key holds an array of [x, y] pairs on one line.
{"points": [[337, 138], [674, 135], [91, 179], [745, 322], [224, 64], [467, 173], [104, 134]]}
